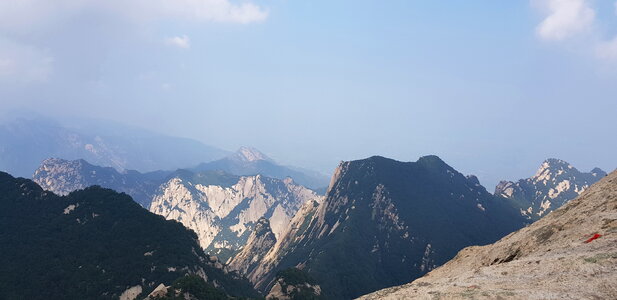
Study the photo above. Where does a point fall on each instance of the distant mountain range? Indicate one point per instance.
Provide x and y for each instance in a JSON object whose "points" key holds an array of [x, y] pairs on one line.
{"points": [[221, 208], [25, 143], [382, 223], [63, 176], [570, 253], [249, 161], [555, 183], [96, 244]]}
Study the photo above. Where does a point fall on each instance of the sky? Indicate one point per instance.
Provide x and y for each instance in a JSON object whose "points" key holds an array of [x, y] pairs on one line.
{"points": [[492, 87]]}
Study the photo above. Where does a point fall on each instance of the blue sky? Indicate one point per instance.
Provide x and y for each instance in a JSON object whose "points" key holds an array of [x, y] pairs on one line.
{"points": [[493, 87]]}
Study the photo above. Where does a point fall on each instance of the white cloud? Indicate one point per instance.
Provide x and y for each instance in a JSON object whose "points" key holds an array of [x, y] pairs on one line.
{"points": [[209, 10], [179, 41], [21, 63], [565, 18], [575, 21], [24, 15], [80, 33]]}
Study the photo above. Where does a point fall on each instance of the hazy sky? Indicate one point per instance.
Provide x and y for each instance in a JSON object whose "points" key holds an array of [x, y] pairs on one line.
{"points": [[493, 87]]}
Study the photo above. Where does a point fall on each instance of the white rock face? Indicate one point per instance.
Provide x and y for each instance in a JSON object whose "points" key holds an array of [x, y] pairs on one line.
{"points": [[131, 293], [268, 260], [60, 176], [64, 176], [249, 154], [555, 183], [223, 216]]}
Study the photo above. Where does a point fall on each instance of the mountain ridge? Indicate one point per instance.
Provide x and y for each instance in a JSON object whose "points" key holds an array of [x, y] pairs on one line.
{"points": [[369, 216], [554, 184], [571, 253]]}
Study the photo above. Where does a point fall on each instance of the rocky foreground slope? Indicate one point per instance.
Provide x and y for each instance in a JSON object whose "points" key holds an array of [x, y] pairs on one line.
{"points": [[569, 254]]}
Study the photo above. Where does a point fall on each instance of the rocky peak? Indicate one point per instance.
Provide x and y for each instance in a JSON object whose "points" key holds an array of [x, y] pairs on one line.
{"points": [[225, 216], [249, 154], [554, 183], [61, 176], [249, 258], [550, 168], [432, 160], [64, 176]]}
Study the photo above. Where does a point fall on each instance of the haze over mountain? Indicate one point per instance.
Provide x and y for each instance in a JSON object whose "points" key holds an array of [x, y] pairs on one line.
{"points": [[555, 183], [570, 253], [374, 80], [250, 161], [25, 143], [382, 223], [94, 244], [167, 101]]}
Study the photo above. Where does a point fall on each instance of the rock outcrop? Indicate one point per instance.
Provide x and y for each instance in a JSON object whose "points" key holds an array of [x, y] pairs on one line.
{"points": [[555, 183], [64, 176], [223, 209], [259, 243]]}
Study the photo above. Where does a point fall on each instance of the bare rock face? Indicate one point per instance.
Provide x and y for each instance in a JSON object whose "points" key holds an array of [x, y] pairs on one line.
{"points": [[64, 176], [555, 183], [224, 209], [569, 254], [259, 243], [261, 275]]}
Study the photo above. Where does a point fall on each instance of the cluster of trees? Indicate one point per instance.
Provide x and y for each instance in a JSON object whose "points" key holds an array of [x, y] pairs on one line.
{"points": [[93, 244]]}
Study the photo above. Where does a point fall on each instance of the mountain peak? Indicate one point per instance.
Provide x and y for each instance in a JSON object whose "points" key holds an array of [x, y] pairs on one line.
{"points": [[598, 172], [250, 154], [555, 183], [555, 162], [550, 167], [433, 160]]}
